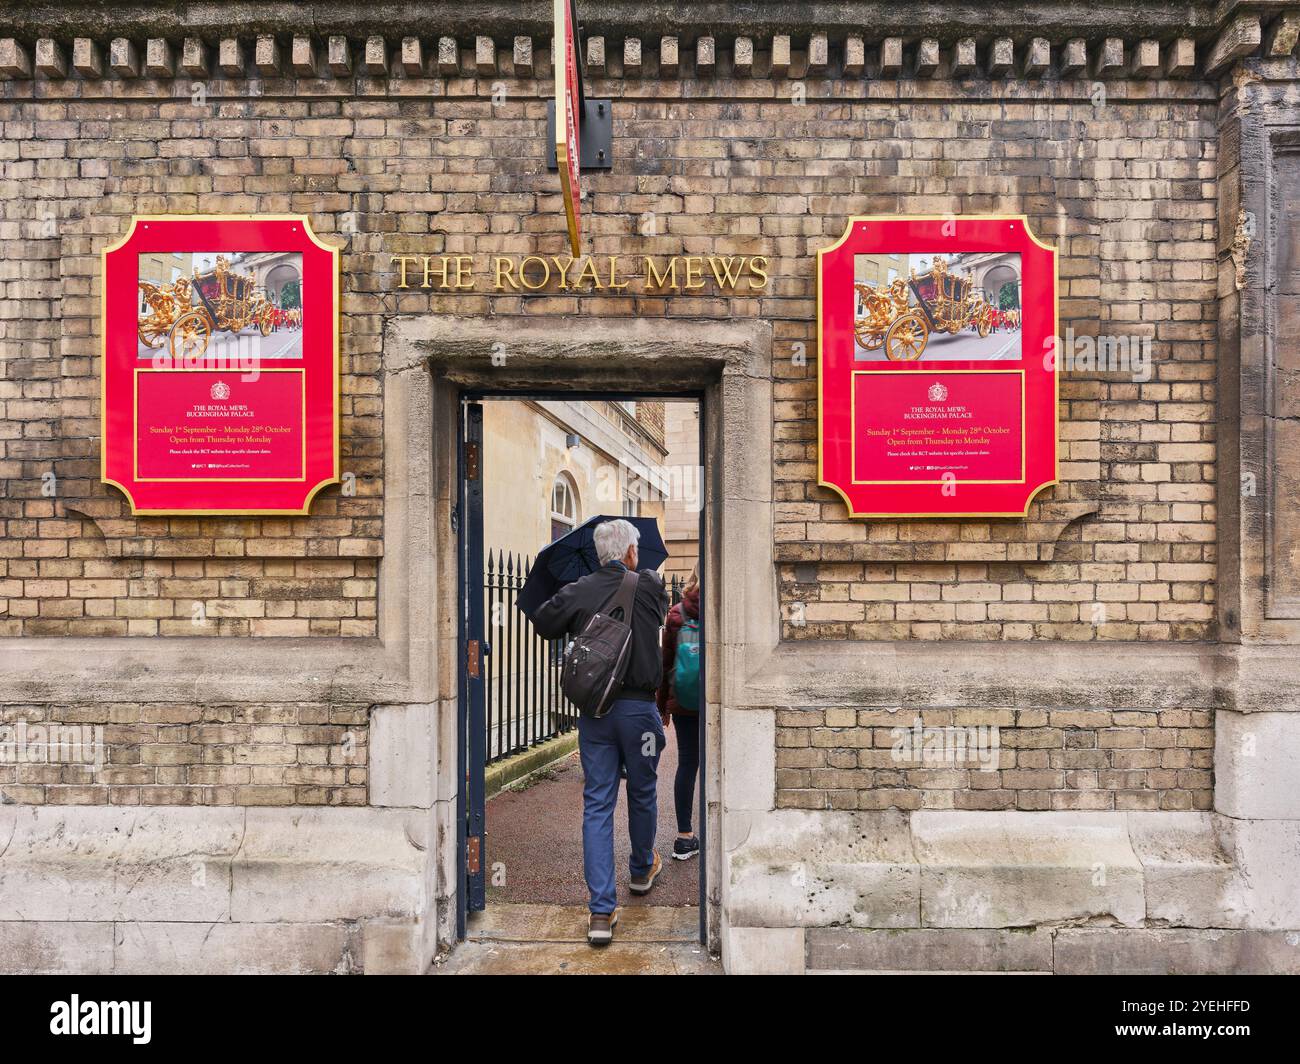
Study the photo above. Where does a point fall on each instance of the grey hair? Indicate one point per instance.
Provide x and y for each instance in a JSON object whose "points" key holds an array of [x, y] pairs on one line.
{"points": [[612, 539]]}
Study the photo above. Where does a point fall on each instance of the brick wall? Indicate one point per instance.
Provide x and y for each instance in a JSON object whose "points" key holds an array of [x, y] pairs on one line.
{"points": [[73, 561], [725, 165], [1125, 190], [1126, 193], [182, 753], [847, 758]]}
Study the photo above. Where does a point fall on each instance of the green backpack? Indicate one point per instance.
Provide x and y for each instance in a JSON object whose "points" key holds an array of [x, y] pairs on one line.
{"points": [[686, 666]]}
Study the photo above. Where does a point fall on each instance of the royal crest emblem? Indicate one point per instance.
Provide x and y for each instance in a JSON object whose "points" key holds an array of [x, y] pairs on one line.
{"points": [[937, 393], [221, 391]]}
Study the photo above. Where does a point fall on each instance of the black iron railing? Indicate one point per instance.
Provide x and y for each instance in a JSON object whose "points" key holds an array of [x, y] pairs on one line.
{"points": [[521, 671]]}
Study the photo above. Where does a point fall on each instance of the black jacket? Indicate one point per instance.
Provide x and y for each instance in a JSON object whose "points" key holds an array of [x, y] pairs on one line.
{"points": [[569, 609]]}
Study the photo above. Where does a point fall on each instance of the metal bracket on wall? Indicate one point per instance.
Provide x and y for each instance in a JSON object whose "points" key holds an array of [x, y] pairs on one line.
{"points": [[595, 135]]}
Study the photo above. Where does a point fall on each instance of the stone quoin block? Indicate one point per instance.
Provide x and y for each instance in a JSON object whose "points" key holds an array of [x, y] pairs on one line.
{"points": [[329, 864], [858, 870], [705, 55], [891, 57], [632, 57], [123, 58], [743, 56], [1075, 57], [1182, 58], [522, 57], [396, 778], [411, 57], [59, 947], [964, 59], [1242, 37], [485, 57], [927, 57], [1174, 951], [158, 59], [87, 59], [374, 61], [1146, 58], [14, 60], [49, 872], [1038, 57], [266, 56], [595, 55], [338, 56], [302, 57], [764, 950], [929, 950], [1253, 759], [1002, 57], [1110, 59], [855, 56], [230, 57], [1190, 879], [194, 58], [668, 57], [819, 54], [1015, 869], [780, 55], [50, 61], [448, 57], [1281, 37]]}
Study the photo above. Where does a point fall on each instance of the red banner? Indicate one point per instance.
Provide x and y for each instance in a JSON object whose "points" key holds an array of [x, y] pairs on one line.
{"points": [[936, 374], [568, 154], [220, 369]]}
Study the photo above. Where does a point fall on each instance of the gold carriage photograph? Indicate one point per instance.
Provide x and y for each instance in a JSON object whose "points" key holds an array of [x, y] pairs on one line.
{"points": [[238, 305], [964, 305]]}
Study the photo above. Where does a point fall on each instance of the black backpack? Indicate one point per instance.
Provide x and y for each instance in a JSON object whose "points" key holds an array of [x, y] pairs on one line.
{"points": [[594, 662]]}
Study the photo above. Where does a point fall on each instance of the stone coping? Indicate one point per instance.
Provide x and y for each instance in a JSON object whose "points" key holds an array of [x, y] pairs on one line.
{"points": [[369, 44], [811, 672]]}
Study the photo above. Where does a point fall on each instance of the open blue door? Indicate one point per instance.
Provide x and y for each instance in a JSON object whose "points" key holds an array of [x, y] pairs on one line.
{"points": [[473, 718]]}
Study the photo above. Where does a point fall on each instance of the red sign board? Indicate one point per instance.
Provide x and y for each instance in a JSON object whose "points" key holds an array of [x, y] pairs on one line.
{"points": [[937, 367], [568, 94], [220, 370]]}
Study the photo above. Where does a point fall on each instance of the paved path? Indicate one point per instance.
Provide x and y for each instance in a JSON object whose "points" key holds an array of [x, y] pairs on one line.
{"points": [[534, 842]]}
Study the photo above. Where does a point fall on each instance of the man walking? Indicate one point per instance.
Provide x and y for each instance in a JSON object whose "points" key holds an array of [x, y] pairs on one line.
{"points": [[629, 735]]}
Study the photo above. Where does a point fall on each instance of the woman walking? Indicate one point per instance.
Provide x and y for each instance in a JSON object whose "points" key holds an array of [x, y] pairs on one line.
{"points": [[679, 698]]}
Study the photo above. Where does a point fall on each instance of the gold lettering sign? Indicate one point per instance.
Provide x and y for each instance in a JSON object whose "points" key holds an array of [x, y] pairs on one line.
{"points": [[645, 274]]}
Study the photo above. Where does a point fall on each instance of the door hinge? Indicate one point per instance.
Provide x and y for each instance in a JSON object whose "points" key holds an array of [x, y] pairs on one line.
{"points": [[472, 659], [473, 854], [471, 461]]}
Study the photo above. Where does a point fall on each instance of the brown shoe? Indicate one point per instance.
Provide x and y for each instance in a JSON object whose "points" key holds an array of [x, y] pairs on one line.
{"points": [[600, 928], [642, 884]]}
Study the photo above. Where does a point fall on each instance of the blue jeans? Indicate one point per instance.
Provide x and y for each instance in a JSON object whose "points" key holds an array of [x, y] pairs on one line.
{"points": [[630, 734]]}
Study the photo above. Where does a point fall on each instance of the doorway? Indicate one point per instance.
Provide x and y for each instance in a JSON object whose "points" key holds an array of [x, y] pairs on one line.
{"points": [[532, 467]]}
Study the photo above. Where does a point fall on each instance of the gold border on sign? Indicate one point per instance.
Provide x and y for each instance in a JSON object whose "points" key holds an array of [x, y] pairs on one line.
{"points": [[334, 478], [1023, 219]]}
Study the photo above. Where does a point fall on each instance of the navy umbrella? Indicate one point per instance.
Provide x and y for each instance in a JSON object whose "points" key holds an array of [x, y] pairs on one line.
{"points": [[573, 555]]}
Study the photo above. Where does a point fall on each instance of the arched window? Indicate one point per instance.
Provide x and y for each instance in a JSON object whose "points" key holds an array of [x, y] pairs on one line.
{"points": [[564, 505]]}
